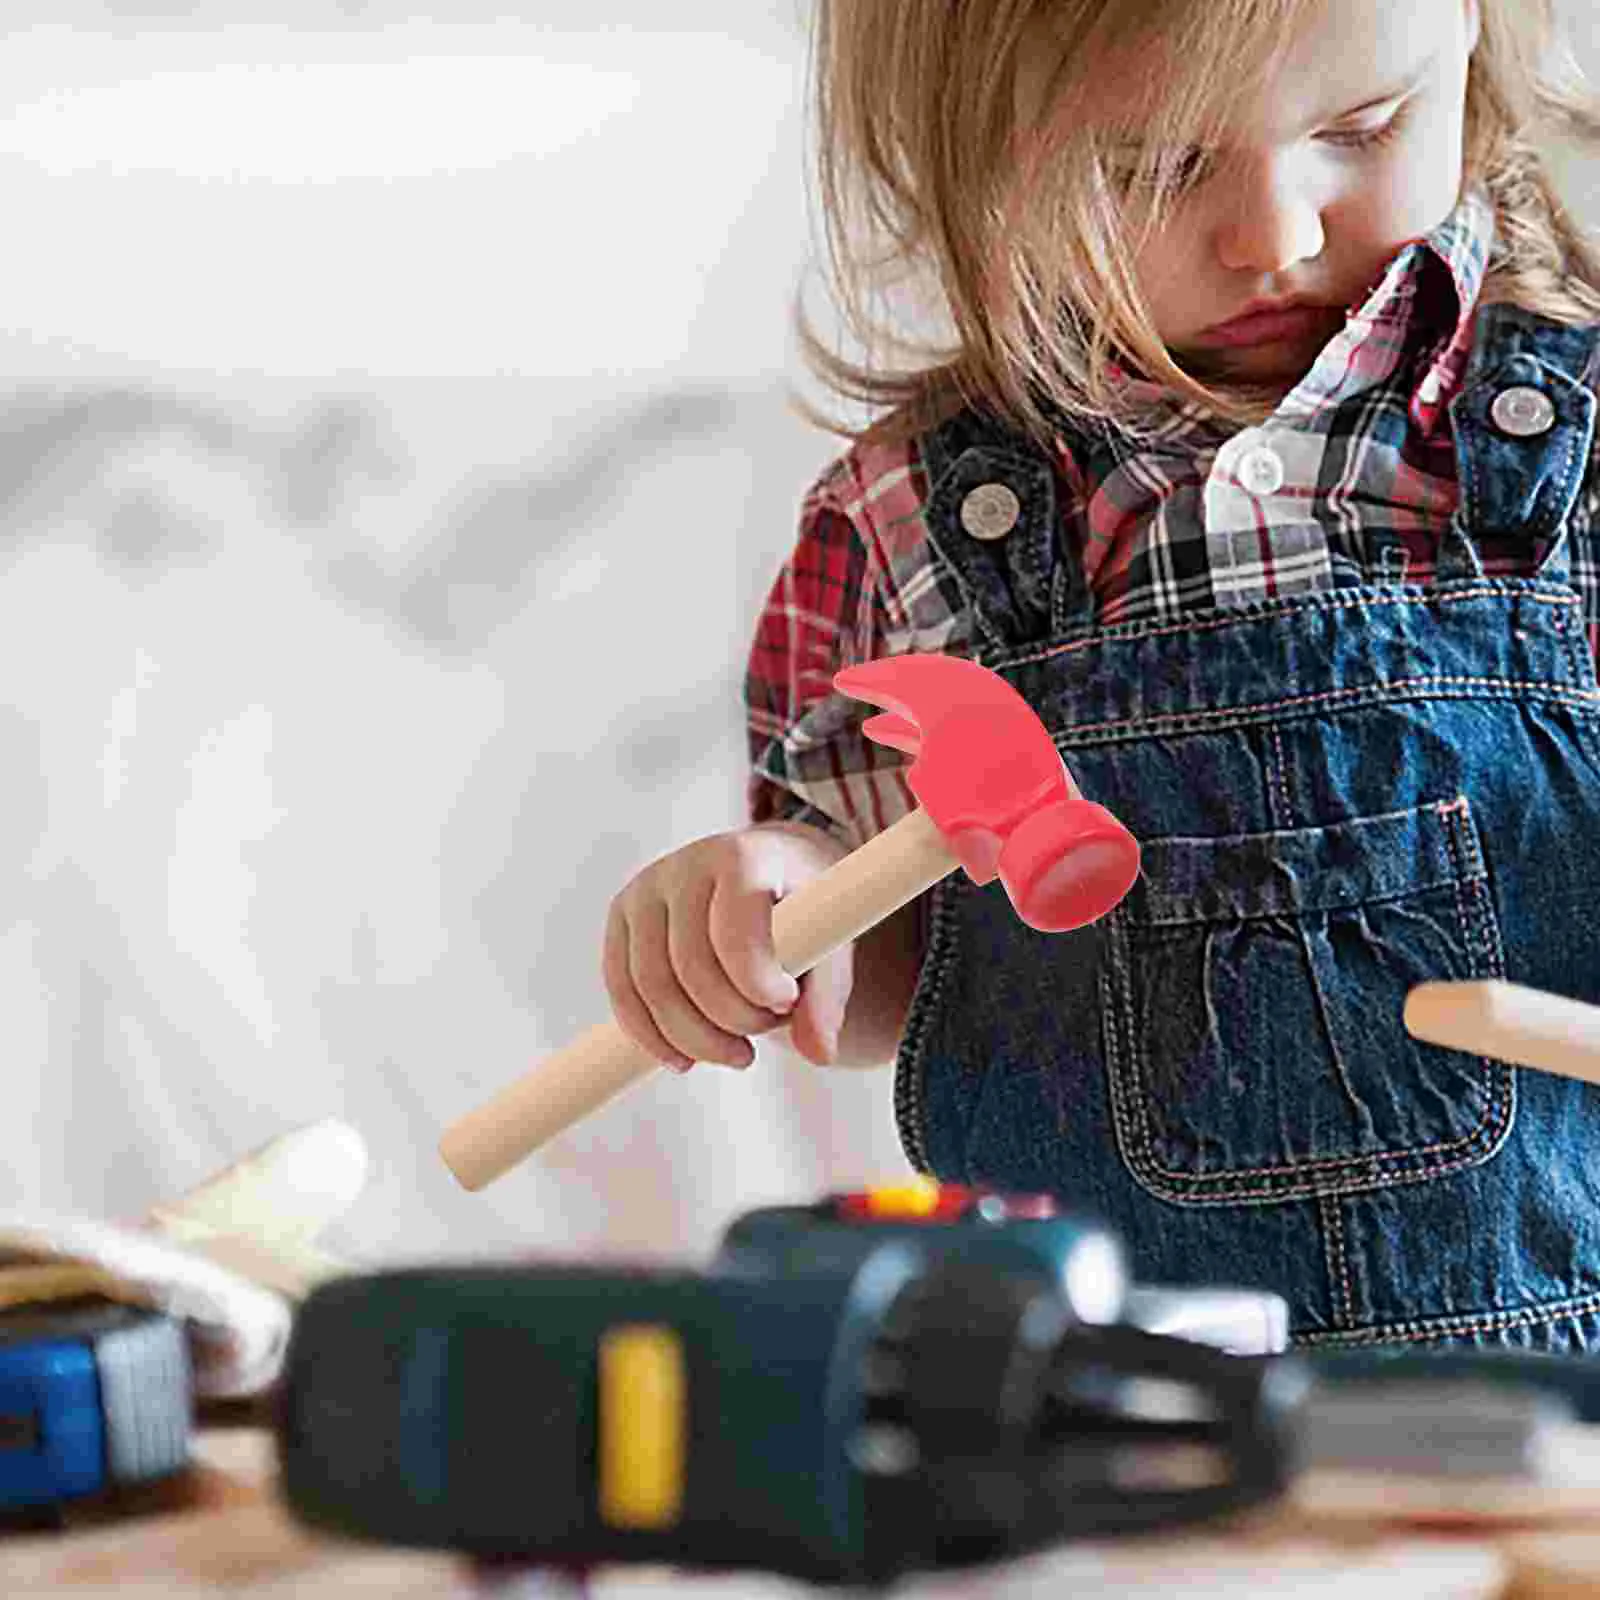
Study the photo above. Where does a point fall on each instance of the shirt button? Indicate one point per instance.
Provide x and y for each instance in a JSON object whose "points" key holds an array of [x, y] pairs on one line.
{"points": [[1522, 411], [1261, 470], [990, 511]]}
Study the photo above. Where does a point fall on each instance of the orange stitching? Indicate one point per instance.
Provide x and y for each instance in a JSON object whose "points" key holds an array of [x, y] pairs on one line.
{"points": [[1438, 1327], [1327, 697], [1269, 610]]}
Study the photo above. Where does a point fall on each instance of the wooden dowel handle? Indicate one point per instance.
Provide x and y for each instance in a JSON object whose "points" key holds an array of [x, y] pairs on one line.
{"points": [[871, 883], [1526, 1027], [531, 1110], [890, 870]]}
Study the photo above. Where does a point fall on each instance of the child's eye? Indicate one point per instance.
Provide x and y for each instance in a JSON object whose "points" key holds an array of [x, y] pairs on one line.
{"points": [[1187, 171], [1177, 173], [1366, 138]]}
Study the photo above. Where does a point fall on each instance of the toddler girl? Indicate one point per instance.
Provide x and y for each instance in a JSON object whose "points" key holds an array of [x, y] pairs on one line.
{"points": [[1256, 455]]}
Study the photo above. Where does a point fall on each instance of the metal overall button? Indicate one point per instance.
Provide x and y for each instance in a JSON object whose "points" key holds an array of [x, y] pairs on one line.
{"points": [[990, 511], [1522, 411]]}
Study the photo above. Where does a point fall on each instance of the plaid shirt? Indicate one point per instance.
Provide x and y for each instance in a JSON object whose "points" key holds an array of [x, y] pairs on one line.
{"points": [[1160, 529]]}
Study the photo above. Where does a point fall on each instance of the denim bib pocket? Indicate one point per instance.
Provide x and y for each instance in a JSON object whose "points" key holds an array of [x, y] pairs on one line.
{"points": [[1251, 997]]}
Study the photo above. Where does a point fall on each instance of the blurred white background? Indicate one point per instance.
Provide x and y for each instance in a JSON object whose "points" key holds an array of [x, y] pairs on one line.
{"points": [[394, 450]]}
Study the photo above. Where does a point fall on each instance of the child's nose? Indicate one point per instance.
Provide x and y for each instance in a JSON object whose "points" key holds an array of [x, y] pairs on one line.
{"points": [[1271, 225]]}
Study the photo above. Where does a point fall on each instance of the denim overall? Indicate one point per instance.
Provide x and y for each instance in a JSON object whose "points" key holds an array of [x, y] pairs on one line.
{"points": [[1338, 795]]}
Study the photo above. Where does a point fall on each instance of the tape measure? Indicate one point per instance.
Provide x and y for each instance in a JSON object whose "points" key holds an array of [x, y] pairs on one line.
{"points": [[93, 1395]]}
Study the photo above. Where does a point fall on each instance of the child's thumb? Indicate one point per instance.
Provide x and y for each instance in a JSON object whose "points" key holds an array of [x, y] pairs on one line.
{"points": [[824, 992]]}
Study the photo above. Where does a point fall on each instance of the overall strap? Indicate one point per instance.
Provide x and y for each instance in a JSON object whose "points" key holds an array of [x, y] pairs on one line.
{"points": [[993, 515], [1524, 426]]}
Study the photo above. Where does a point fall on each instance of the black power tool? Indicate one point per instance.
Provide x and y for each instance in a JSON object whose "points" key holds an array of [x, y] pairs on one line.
{"points": [[901, 1381]]}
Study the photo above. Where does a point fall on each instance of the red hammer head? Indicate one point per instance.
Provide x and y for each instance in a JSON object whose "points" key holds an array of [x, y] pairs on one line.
{"points": [[989, 775]]}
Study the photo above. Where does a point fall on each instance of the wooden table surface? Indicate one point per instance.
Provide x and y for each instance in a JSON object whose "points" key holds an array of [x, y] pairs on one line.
{"points": [[220, 1530]]}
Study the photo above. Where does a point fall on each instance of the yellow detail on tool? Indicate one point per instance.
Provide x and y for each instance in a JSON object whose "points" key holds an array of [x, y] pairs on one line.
{"points": [[920, 1199], [644, 1422]]}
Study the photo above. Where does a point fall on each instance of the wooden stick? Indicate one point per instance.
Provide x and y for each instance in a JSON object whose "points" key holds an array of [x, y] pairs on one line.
{"points": [[292, 1268], [1526, 1027], [259, 1216], [871, 883], [290, 1188]]}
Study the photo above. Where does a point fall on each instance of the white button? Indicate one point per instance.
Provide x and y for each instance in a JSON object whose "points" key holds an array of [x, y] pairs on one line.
{"points": [[990, 511], [1261, 471], [1522, 411]]}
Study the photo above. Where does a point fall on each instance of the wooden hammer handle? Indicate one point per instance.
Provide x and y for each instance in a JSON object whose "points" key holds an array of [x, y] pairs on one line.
{"points": [[872, 883], [1526, 1027]]}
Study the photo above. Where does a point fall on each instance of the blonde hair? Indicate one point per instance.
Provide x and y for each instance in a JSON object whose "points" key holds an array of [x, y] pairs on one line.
{"points": [[923, 169]]}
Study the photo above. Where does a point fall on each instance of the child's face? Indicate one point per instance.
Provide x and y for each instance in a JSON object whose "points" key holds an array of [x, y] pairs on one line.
{"points": [[1313, 197]]}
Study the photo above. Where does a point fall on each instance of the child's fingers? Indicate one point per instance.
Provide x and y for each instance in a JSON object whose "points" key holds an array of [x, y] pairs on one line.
{"points": [[739, 930], [700, 971], [824, 993], [632, 1014], [673, 1010]]}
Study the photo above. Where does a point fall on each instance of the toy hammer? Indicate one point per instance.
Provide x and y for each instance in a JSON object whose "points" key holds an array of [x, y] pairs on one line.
{"points": [[994, 798]]}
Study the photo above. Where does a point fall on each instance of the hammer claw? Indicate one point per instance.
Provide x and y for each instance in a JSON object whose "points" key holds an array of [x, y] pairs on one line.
{"points": [[894, 732], [986, 770]]}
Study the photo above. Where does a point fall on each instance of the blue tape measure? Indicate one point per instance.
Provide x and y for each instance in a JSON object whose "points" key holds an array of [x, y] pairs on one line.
{"points": [[92, 1395]]}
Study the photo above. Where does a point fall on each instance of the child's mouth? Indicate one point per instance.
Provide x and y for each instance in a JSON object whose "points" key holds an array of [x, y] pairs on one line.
{"points": [[1272, 327]]}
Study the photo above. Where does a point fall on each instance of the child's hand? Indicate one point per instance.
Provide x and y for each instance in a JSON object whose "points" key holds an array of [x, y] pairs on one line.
{"points": [[689, 963]]}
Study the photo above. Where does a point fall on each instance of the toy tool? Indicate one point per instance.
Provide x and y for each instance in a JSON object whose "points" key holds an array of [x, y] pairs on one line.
{"points": [[93, 1396], [994, 798], [261, 1216], [1031, 1233], [908, 1379], [1527, 1027], [847, 1415]]}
